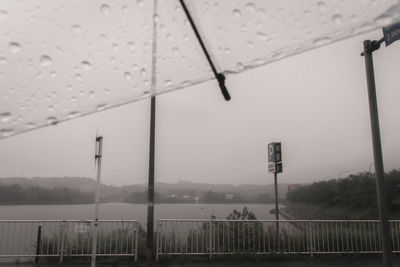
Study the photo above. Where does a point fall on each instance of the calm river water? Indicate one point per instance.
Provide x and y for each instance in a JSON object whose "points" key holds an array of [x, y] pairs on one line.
{"points": [[125, 211]]}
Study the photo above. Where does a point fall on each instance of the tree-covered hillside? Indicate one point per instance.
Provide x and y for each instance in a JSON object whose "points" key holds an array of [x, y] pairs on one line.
{"points": [[16, 194], [353, 197]]}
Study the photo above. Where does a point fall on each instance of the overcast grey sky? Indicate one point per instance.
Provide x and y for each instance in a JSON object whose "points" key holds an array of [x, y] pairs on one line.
{"points": [[314, 103]]}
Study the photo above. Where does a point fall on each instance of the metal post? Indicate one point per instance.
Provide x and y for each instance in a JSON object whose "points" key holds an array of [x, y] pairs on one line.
{"points": [[276, 208], [158, 240], [210, 241], [64, 227], [137, 228], [150, 187], [150, 202], [311, 237], [38, 243], [369, 47], [98, 156]]}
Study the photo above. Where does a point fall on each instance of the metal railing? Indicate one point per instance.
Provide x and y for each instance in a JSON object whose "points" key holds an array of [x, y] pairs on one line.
{"points": [[56, 238], [221, 237]]}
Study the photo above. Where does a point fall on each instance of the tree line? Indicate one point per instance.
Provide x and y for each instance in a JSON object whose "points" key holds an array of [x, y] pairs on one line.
{"points": [[16, 194], [355, 194]]}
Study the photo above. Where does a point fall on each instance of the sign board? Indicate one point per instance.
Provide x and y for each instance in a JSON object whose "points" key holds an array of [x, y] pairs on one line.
{"points": [[391, 33], [271, 167], [271, 153]]}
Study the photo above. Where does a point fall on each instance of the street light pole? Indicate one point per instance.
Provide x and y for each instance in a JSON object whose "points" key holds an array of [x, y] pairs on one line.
{"points": [[369, 48]]}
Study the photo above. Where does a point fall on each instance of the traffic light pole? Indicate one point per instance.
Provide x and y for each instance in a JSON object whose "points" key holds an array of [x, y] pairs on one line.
{"points": [[369, 48]]}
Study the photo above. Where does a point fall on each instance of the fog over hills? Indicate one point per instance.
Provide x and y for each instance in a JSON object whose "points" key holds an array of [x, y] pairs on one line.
{"points": [[119, 193]]}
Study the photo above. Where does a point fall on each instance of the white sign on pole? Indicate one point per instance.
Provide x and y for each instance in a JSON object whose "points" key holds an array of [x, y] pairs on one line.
{"points": [[271, 166]]}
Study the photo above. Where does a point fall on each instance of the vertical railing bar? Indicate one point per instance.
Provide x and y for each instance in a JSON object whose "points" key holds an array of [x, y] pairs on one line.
{"points": [[136, 238], [391, 233], [337, 237], [210, 238], [355, 227], [327, 235], [370, 238], [233, 237], [397, 236], [311, 239], [341, 236], [365, 237]]}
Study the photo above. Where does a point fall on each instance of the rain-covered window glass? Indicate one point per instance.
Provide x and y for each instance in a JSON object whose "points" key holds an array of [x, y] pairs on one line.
{"points": [[64, 59]]}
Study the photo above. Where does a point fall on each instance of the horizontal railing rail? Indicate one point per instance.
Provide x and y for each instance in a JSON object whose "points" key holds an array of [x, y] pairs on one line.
{"points": [[222, 237], [61, 238]]}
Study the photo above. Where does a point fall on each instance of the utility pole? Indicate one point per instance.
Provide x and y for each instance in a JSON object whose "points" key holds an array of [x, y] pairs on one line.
{"points": [[150, 186], [97, 158], [369, 48]]}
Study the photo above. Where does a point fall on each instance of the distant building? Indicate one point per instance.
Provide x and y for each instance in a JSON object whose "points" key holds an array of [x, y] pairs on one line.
{"points": [[196, 200], [229, 196], [186, 197]]}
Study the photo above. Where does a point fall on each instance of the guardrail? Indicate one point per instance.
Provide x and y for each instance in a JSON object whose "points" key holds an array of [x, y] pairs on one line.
{"points": [[221, 237], [56, 238]]}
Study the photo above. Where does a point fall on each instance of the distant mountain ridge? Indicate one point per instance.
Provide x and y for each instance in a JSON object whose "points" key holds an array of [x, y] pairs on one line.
{"points": [[119, 193]]}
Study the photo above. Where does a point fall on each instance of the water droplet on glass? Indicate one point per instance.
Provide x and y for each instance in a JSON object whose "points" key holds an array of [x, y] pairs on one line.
{"points": [[135, 67], [101, 107], [131, 46], [236, 13], [91, 94], [45, 61], [307, 13], [53, 74], [15, 47], [74, 99], [262, 36], [50, 108], [107, 91], [3, 14], [5, 117], [3, 60], [7, 132], [143, 71], [185, 83], [105, 10], [168, 83], [278, 55], [322, 41], [321, 5], [128, 75], [73, 114], [156, 18], [250, 7], [69, 88], [115, 47], [78, 77], [86, 65], [125, 9], [140, 2], [30, 125], [76, 28], [240, 66], [337, 19], [52, 120]]}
